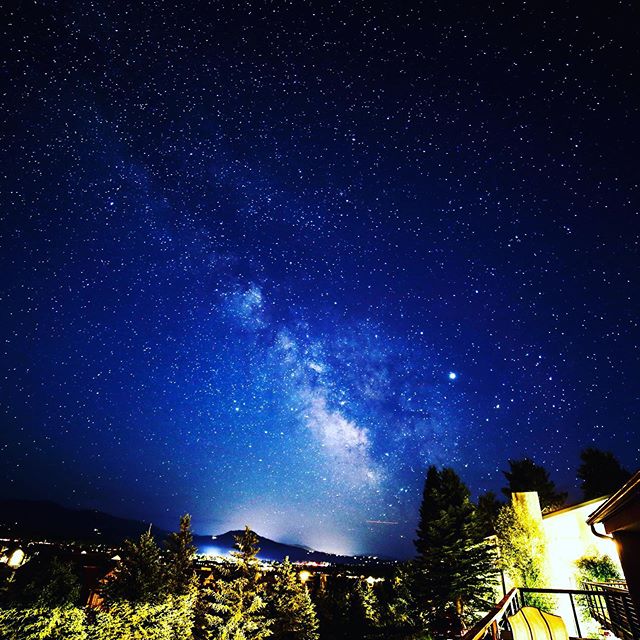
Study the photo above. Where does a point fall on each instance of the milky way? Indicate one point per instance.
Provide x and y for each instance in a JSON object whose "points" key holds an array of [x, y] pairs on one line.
{"points": [[265, 262]]}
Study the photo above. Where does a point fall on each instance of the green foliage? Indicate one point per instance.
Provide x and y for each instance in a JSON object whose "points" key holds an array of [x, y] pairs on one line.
{"points": [[333, 604], [43, 623], [61, 586], [140, 577], [290, 606], [43, 582], [522, 551], [455, 568], [596, 567], [402, 608], [526, 475], [233, 608], [180, 573], [600, 473], [366, 605], [170, 619]]}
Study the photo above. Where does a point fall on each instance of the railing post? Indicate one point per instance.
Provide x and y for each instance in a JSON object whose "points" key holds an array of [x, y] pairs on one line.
{"points": [[575, 615]]}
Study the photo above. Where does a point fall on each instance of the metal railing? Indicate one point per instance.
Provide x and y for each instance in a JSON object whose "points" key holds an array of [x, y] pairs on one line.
{"points": [[609, 605]]}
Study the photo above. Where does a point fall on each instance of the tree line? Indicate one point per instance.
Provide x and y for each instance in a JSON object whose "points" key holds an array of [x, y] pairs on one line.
{"points": [[156, 593], [461, 546], [599, 474]]}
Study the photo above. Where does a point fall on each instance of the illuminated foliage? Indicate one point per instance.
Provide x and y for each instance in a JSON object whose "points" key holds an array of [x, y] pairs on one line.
{"points": [[43, 623], [597, 568], [367, 607], [402, 609], [290, 606], [170, 619], [522, 551], [234, 606]]}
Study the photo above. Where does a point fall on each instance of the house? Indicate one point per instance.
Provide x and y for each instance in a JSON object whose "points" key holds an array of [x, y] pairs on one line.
{"points": [[620, 517]]}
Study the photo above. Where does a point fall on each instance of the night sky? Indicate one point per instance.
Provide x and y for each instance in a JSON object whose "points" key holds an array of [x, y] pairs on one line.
{"points": [[265, 261]]}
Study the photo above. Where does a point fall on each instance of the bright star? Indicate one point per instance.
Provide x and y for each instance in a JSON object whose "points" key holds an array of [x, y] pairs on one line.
{"points": [[452, 375]]}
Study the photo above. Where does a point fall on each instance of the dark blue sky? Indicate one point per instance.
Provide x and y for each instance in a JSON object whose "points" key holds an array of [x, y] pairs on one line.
{"points": [[245, 244]]}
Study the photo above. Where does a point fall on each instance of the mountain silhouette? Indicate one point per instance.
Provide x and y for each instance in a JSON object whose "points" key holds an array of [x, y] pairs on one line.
{"points": [[43, 520]]}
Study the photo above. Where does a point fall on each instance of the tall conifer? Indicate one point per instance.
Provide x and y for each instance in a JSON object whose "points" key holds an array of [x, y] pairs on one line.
{"points": [[140, 577], [235, 603], [455, 568], [181, 576], [290, 606]]}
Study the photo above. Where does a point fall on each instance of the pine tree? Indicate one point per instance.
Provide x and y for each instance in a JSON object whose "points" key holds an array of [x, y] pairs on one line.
{"points": [[234, 607], [140, 577], [600, 472], [487, 512], [180, 571], [526, 475], [169, 619], [367, 605], [403, 612], [43, 623], [290, 606], [455, 568]]}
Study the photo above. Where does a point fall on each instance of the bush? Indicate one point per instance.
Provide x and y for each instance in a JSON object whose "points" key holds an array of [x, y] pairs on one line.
{"points": [[43, 623], [597, 567], [172, 619]]}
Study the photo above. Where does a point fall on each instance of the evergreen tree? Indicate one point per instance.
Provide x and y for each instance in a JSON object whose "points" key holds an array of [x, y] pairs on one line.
{"points": [[169, 619], [455, 568], [290, 606], [61, 586], [402, 609], [43, 623], [600, 472], [367, 606], [180, 571], [234, 607], [526, 475], [40, 602], [44, 582], [333, 599], [487, 512], [140, 577]]}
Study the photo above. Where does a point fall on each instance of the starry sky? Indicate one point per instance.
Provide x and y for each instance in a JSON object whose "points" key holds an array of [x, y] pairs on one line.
{"points": [[266, 261]]}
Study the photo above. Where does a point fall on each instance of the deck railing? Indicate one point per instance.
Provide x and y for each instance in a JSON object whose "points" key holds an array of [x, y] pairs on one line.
{"points": [[609, 605]]}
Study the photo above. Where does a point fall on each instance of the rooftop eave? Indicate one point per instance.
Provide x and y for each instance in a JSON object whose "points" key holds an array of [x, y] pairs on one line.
{"points": [[626, 493]]}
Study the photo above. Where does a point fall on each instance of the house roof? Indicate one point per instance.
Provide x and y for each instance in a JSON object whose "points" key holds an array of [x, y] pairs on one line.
{"points": [[627, 494], [572, 507]]}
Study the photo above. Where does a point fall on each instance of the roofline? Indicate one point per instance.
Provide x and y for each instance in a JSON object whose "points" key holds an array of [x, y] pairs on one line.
{"points": [[617, 500], [574, 506]]}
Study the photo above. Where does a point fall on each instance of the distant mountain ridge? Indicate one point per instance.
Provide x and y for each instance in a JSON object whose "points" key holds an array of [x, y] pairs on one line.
{"points": [[43, 520]]}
